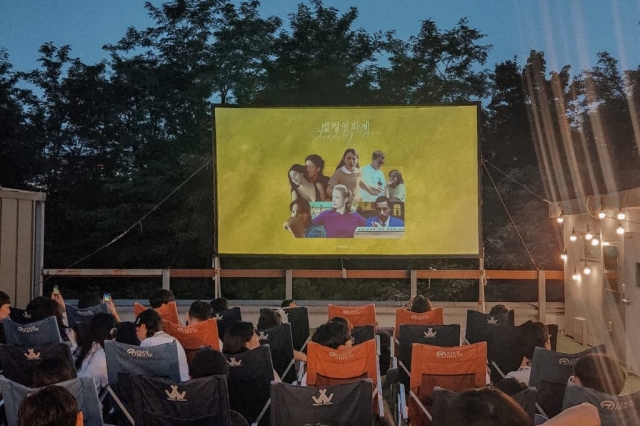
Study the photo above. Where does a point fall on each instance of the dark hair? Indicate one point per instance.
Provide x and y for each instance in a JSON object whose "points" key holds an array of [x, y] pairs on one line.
{"points": [[421, 304], [286, 302], [499, 309], [88, 300], [296, 168], [207, 362], [51, 371], [377, 154], [333, 334], [303, 205], [531, 335], [510, 386], [51, 406], [344, 321], [45, 307], [101, 328], [4, 298], [268, 319], [151, 319], [348, 151], [600, 372], [317, 160], [237, 336], [486, 407], [382, 199], [127, 333], [200, 310], [397, 173], [160, 296], [219, 304]]}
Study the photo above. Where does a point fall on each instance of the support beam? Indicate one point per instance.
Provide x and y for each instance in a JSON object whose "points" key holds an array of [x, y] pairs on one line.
{"points": [[217, 289], [288, 288], [166, 279], [414, 283], [482, 283], [542, 297]]}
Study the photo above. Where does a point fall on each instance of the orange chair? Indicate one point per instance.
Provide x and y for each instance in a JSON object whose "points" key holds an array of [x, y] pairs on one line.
{"points": [[433, 317], [457, 368], [168, 312], [357, 315], [193, 337]]}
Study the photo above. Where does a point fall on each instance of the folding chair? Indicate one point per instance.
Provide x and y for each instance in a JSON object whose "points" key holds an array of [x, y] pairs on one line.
{"points": [[83, 389], [25, 317], [19, 362], [550, 372], [168, 312], [455, 368], [348, 403], [363, 333], [162, 402], [83, 315], [41, 332], [299, 320], [281, 346], [226, 318], [433, 317], [194, 337], [250, 374], [125, 360], [479, 324], [357, 315], [503, 353], [614, 410]]}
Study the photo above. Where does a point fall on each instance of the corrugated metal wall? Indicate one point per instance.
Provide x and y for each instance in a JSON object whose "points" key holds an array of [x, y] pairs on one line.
{"points": [[21, 238]]}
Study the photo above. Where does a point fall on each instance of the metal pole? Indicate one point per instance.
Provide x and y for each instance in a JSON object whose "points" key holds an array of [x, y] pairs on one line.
{"points": [[414, 283], [288, 291], [166, 279], [482, 284], [542, 297], [217, 290]]}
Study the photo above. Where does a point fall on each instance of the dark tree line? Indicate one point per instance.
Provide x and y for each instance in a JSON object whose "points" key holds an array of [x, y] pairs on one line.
{"points": [[108, 141]]}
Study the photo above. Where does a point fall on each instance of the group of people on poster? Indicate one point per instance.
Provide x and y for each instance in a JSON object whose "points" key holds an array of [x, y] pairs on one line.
{"points": [[353, 198]]}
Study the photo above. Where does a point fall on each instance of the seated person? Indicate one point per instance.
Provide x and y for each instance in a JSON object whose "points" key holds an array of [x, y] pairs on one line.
{"points": [[51, 371], [220, 304], [200, 311], [530, 335], [270, 318], [150, 333], [486, 406], [47, 307], [208, 362], [242, 337], [334, 334], [384, 219], [600, 372], [288, 303], [51, 406], [160, 297], [420, 305], [299, 224], [88, 300], [499, 309], [91, 360], [127, 333], [5, 305]]}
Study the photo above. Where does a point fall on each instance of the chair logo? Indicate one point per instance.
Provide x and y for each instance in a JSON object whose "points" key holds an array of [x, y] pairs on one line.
{"points": [[26, 314], [340, 356], [138, 353], [419, 317], [219, 317], [175, 395], [323, 399], [31, 354], [616, 405], [263, 336], [233, 363], [492, 321], [186, 330], [29, 329], [85, 313], [567, 361], [449, 354], [351, 312], [430, 334]]}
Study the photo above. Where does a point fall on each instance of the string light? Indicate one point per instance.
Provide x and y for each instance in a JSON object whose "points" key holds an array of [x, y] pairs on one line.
{"points": [[588, 236], [586, 269], [602, 214], [595, 242], [621, 215], [560, 218], [620, 229], [564, 254], [573, 237], [576, 275]]}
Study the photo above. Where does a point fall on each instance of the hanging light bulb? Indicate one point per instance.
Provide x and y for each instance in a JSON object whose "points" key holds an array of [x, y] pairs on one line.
{"points": [[602, 214], [573, 236], [576, 275], [564, 255], [586, 269], [560, 219], [588, 236], [621, 215], [620, 229], [595, 242]]}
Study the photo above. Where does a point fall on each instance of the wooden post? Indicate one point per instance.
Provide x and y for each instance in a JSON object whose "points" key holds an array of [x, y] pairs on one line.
{"points": [[542, 297], [217, 289], [166, 279], [481, 284], [414, 283], [288, 289]]}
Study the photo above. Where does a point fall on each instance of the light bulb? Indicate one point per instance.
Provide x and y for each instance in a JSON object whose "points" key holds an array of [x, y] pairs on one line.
{"points": [[619, 229], [595, 242], [586, 269], [564, 255], [602, 214], [588, 236], [576, 275], [621, 215], [560, 219], [573, 236]]}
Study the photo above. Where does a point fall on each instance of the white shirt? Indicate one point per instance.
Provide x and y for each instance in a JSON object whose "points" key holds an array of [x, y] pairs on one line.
{"points": [[95, 365], [522, 375], [374, 178], [161, 338]]}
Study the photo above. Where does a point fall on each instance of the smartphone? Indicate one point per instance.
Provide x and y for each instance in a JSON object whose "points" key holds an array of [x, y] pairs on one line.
{"points": [[56, 290], [106, 298]]}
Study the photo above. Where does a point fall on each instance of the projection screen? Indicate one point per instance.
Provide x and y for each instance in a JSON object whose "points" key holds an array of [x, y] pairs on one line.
{"points": [[347, 181]]}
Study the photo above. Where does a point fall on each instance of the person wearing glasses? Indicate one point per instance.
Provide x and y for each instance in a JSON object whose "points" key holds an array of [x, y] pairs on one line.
{"points": [[91, 360], [373, 177], [384, 219]]}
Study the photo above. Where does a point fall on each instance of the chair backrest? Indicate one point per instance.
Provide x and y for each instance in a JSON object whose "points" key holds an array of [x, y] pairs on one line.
{"points": [[168, 312], [614, 410], [503, 350], [344, 404], [82, 388], [327, 366], [83, 315], [363, 333], [226, 318], [357, 315], [25, 317], [281, 346], [299, 320], [41, 332], [250, 374], [193, 337], [479, 325], [556, 367], [162, 402], [404, 316], [19, 362], [155, 361]]}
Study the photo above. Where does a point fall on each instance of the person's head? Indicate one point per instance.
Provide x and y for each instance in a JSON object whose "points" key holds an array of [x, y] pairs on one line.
{"points": [[147, 324], [382, 208], [5, 305], [499, 309], [102, 327], [333, 334], [377, 159], [395, 178], [301, 209], [421, 304], [207, 362], [288, 303], [341, 198], [268, 319], [219, 304], [600, 372], [296, 175], [486, 407], [51, 371], [160, 297], [45, 307], [127, 333], [88, 300], [344, 321], [314, 165], [199, 311], [349, 160], [51, 406], [240, 337], [531, 335]]}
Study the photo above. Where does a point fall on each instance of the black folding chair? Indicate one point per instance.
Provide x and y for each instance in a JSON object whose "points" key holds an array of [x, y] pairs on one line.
{"points": [[614, 410], [226, 318], [23, 316], [503, 352], [345, 404], [19, 362], [41, 332], [299, 320], [77, 315], [281, 346], [363, 333], [479, 325]]}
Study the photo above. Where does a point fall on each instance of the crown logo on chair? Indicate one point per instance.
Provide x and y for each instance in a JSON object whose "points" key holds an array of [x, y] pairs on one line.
{"points": [[430, 334], [233, 363], [492, 321], [263, 336], [31, 354], [322, 399], [175, 395], [26, 314], [219, 317]]}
